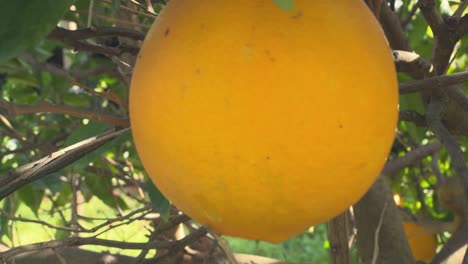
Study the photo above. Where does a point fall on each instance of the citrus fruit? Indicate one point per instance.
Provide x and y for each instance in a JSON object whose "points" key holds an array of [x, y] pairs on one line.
{"points": [[260, 120], [423, 243]]}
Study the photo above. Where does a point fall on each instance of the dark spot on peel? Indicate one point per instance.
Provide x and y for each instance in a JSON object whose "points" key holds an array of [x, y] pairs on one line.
{"points": [[340, 125], [268, 157], [167, 32], [270, 57], [197, 71], [297, 15]]}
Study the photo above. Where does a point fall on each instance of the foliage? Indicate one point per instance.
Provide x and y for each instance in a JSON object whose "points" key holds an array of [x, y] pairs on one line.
{"points": [[70, 86]]}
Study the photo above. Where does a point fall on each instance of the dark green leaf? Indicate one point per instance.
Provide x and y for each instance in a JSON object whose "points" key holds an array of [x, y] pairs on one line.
{"points": [[61, 234], [24, 23], [31, 197], [51, 182], [7, 208], [160, 203], [87, 131], [101, 187], [65, 195]]}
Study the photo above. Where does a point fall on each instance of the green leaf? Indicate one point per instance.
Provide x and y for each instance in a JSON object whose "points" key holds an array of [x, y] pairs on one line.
{"points": [[65, 195], [286, 5], [7, 208], [31, 197], [23, 77], [115, 5], [26, 22], [101, 187], [90, 130], [61, 234], [160, 203], [51, 183], [86, 131]]}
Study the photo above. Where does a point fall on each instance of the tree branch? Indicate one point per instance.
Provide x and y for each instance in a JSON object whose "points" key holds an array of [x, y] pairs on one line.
{"points": [[80, 241], [454, 243], [71, 75], [433, 17], [337, 231], [393, 244], [460, 237], [461, 8], [462, 29], [63, 34], [126, 219], [393, 166], [412, 116], [53, 162], [443, 135], [46, 107], [110, 51], [437, 82], [412, 63]]}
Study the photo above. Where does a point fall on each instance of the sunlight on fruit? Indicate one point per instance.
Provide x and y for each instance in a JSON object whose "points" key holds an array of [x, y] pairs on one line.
{"points": [[261, 122]]}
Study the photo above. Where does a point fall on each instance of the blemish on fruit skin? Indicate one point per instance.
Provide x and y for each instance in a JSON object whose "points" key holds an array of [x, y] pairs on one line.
{"points": [[270, 57], [340, 125], [167, 32], [198, 71], [297, 15]]}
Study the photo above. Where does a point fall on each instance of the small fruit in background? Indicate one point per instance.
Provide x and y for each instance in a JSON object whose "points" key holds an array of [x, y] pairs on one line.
{"points": [[423, 243]]}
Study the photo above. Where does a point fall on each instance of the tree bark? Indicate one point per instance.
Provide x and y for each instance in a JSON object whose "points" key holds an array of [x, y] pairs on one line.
{"points": [[338, 238], [392, 246]]}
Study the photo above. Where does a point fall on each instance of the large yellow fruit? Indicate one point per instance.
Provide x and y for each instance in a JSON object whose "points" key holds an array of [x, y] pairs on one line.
{"points": [[422, 242], [260, 121]]}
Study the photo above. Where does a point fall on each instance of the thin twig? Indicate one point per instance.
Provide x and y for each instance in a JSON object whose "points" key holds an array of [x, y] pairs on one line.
{"points": [[412, 116], [74, 182], [376, 237], [129, 10], [80, 241], [109, 95], [149, 6], [90, 13], [46, 107], [409, 17], [91, 32], [136, 3], [174, 248], [114, 20]]}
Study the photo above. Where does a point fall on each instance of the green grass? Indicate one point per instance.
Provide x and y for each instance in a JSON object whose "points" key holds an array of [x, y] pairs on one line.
{"points": [[309, 247]]}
